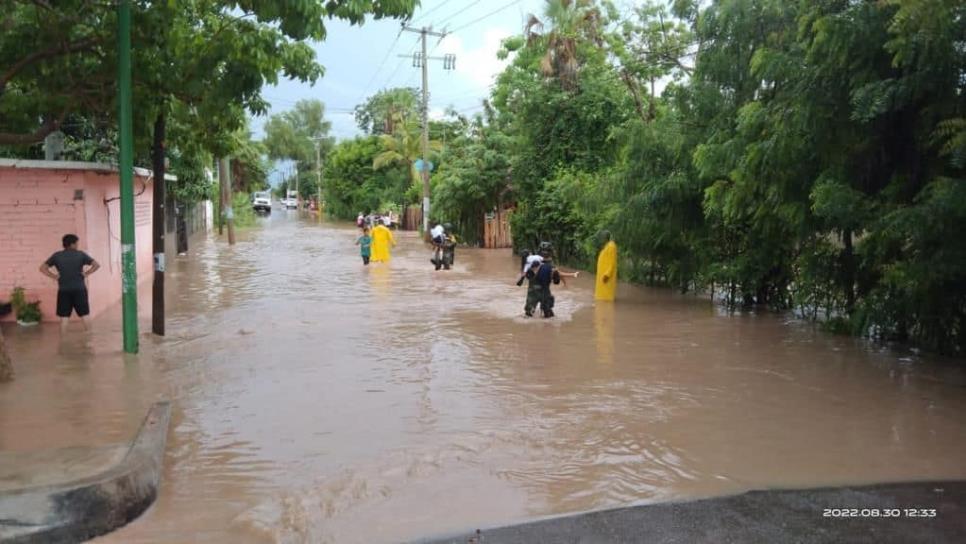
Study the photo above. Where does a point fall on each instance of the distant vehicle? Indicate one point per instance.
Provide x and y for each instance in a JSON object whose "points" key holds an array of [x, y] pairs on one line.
{"points": [[291, 200], [262, 202]]}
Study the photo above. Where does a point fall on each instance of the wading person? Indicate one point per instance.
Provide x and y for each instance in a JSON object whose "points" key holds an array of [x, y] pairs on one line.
{"points": [[449, 246], [361, 220], [605, 287], [365, 246], [437, 235], [382, 240], [541, 274], [71, 287]]}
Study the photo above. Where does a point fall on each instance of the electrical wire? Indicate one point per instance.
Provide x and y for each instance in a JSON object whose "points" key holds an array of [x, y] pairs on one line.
{"points": [[398, 66], [426, 14], [459, 12], [492, 13], [381, 64]]}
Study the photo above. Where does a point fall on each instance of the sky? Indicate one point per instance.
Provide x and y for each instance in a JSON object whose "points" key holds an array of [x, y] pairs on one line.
{"points": [[361, 60]]}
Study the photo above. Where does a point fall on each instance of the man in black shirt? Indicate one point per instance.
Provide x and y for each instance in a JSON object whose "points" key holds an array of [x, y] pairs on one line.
{"points": [[71, 288]]}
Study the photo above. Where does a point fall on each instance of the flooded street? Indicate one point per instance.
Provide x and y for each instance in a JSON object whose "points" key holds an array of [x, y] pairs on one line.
{"points": [[316, 400]]}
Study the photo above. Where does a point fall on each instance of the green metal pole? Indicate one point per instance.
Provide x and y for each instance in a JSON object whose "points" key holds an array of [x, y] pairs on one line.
{"points": [[129, 282]]}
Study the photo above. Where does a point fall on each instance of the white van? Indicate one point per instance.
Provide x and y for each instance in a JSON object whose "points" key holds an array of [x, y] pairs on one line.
{"points": [[262, 202]]}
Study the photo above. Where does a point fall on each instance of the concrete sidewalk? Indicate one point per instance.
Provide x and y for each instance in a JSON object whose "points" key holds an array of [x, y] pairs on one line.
{"points": [[798, 516], [73, 494]]}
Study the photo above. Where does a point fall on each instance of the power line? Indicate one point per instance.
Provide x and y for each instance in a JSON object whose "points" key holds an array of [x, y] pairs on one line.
{"points": [[441, 4], [381, 64], [492, 13], [398, 66], [459, 12]]}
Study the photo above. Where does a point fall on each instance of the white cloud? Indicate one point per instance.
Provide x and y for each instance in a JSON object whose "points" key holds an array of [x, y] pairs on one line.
{"points": [[478, 65]]}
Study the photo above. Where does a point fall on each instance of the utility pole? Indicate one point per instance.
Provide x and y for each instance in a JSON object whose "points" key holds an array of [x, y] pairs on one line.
{"points": [[422, 61], [157, 291], [221, 199], [224, 174], [318, 176], [298, 196], [129, 280]]}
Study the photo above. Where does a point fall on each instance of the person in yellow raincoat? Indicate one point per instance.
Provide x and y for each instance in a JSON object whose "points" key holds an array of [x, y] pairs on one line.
{"points": [[382, 240], [606, 286]]}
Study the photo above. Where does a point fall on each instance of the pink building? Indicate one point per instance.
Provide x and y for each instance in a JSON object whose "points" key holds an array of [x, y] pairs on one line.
{"points": [[40, 201]]}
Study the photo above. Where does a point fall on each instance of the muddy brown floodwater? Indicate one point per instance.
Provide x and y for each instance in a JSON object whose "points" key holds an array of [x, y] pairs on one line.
{"points": [[316, 400]]}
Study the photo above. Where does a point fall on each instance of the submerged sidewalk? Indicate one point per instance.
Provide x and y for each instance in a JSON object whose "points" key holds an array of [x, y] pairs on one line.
{"points": [[73, 494], [927, 512]]}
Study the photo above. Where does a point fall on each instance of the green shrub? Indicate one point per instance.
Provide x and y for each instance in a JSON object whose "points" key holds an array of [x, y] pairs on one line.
{"points": [[28, 312]]}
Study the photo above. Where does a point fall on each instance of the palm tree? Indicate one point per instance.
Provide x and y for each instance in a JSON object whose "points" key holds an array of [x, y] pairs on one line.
{"points": [[571, 21], [403, 146]]}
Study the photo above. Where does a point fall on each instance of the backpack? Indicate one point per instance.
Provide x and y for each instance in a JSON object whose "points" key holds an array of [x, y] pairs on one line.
{"points": [[544, 274]]}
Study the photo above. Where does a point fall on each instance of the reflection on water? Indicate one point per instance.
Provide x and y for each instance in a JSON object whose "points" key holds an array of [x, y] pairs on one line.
{"points": [[604, 331], [313, 395]]}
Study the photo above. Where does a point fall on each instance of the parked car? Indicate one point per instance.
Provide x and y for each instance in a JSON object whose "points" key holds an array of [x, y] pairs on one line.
{"points": [[262, 202]]}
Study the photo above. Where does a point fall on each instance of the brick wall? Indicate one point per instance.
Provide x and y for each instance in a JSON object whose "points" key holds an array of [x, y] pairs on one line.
{"points": [[39, 204]]}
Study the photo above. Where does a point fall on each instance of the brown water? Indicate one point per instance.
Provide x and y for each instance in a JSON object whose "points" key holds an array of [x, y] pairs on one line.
{"points": [[316, 400]]}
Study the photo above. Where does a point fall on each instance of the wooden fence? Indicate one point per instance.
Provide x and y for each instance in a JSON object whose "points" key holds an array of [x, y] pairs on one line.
{"points": [[496, 229], [412, 218]]}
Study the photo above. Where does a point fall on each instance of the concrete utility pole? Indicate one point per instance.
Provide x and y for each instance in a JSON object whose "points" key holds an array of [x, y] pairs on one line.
{"points": [[224, 174], [298, 196], [422, 61], [318, 176], [129, 280], [221, 199]]}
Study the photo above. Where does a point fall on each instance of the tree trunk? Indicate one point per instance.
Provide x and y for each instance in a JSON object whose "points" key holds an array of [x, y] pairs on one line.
{"points": [[848, 271], [182, 228], [6, 367]]}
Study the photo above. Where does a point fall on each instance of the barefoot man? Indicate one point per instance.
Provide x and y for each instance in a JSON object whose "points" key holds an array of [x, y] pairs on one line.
{"points": [[71, 287]]}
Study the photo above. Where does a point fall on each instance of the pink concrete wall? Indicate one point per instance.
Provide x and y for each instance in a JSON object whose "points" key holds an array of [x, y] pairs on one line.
{"points": [[38, 206], [103, 235]]}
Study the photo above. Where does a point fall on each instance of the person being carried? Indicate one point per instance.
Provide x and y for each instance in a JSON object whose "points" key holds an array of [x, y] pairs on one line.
{"points": [[71, 287], [437, 235], [365, 246], [527, 260]]}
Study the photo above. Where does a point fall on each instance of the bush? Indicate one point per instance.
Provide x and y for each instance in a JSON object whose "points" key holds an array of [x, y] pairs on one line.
{"points": [[241, 206], [28, 312]]}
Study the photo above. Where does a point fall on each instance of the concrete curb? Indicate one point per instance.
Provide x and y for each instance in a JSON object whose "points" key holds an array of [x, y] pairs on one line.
{"points": [[82, 509], [798, 516]]}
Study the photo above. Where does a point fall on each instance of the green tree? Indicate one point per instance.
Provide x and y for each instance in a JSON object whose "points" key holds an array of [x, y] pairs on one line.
{"points": [[294, 135], [473, 177], [378, 114], [352, 185], [206, 60], [403, 147]]}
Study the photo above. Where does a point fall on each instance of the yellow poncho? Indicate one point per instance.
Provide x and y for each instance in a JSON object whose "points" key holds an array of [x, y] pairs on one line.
{"points": [[381, 241], [606, 268]]}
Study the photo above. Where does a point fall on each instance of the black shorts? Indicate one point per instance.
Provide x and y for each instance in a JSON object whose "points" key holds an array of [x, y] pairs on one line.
{"points": [[68, 301]]}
